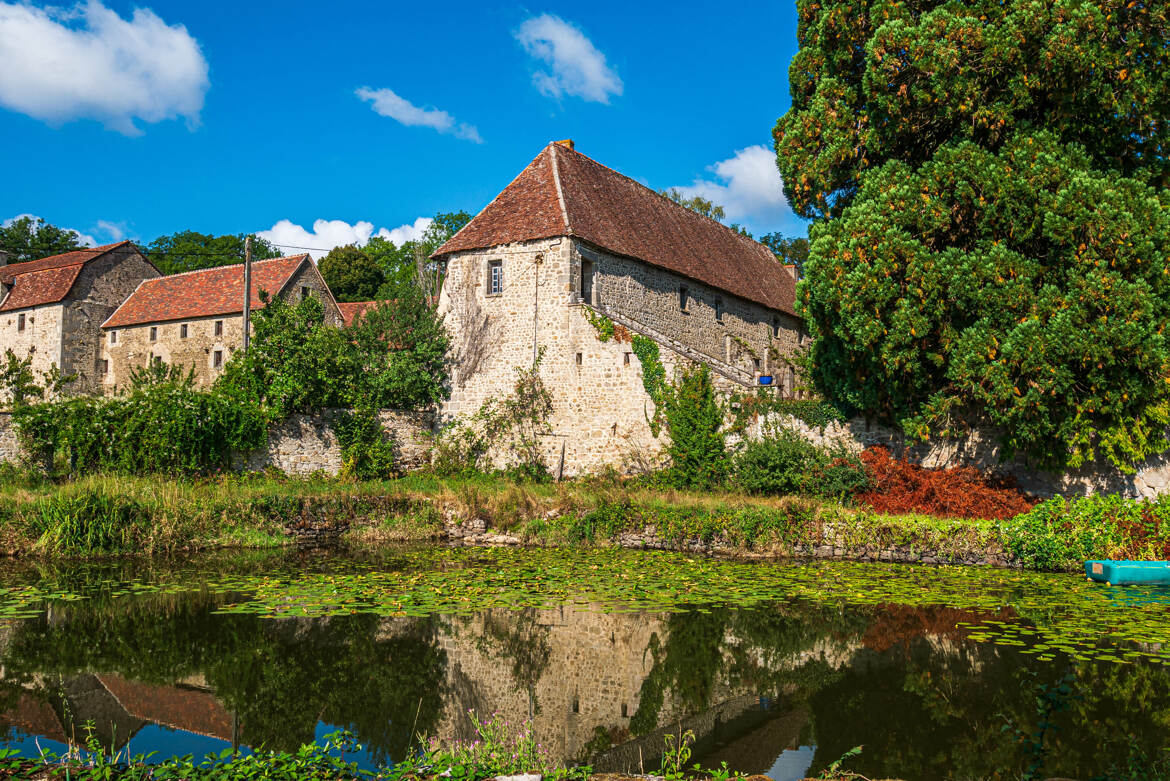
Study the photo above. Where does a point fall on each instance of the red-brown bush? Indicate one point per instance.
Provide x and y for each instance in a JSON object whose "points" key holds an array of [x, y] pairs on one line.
{"points": [[958, 492]]}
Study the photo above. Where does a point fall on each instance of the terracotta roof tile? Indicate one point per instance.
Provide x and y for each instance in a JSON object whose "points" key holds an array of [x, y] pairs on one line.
{"points": [[351, 311], [48, 280], [177, 707], [203, 293], [622, 216]]}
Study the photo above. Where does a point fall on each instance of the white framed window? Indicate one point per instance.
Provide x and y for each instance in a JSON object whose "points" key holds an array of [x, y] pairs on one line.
{"points": [[495, 280]]}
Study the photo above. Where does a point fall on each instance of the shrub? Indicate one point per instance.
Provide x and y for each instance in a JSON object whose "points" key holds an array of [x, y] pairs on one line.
{"points": [[783, 462], [694, 418], [92, 521], [959, 492]]}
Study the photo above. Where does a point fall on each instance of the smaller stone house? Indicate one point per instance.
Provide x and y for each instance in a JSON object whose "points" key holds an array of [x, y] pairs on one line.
{"points": [[52, 309], [195, 319]]}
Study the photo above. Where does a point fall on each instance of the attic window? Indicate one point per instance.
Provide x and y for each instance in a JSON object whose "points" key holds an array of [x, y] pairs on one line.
{"points": [[183, 331], [719, 310], [304, 293], [587, 282], [113, 337], [775, 326], [219, 327], [20, 322], [683, 298], [154, 333]]}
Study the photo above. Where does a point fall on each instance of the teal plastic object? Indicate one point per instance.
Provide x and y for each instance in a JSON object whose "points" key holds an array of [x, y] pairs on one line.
{"points": [[1129, 573]]}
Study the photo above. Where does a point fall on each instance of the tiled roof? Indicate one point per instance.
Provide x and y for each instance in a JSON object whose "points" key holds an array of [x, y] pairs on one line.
{"points": [[563, 192], [203, 293], [350, 311], [177, 707], [48, 280]]}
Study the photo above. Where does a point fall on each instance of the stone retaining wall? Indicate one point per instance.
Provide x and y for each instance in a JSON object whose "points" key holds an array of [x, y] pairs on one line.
{"points": [[303, 444], [981, 449]]}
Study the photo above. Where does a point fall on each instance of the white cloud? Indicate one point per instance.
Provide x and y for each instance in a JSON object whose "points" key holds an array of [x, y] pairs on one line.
{"points": [[84, 239], [327, 234], [747, 186], [576, 66], [89, 63], [116, 231], [387, 103]]}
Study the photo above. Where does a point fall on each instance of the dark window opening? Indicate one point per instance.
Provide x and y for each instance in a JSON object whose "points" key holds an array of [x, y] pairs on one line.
{"points": [[776, 326], [219, 327], [183, 331], [683, 298], [113, 337], [626, 359], [578, 359], [756, 363], [576, 705], [719, 310], [587, 282], [105, 365], [625, 710], [154, 333], [217, 359], [156, 360], [304, 293]]}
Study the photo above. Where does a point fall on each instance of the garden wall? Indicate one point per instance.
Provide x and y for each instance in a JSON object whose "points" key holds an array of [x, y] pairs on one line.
{"points": [[982, 450], [301, 445]]}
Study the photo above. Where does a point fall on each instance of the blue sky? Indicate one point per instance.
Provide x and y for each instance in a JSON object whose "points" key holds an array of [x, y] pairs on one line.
{"points": [[122, 120]]}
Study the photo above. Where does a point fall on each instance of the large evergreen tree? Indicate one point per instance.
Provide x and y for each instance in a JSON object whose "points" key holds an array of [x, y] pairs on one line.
{"points": [[989, 180]]}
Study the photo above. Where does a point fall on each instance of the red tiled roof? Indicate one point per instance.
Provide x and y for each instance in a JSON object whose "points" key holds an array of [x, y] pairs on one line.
{"points": [[351, 311], [48, 280], [203, 293], [563, 192]]}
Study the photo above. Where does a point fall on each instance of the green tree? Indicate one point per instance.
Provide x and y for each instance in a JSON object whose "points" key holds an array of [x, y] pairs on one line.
{"points": [[31, 238], [190, 251], [410, 264], [790, 251], [694, 418], [989, 180], [696, 204], [351, 273]]}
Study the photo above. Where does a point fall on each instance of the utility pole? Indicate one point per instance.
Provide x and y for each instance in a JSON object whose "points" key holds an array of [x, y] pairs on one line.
{"points": [[247, 290]]}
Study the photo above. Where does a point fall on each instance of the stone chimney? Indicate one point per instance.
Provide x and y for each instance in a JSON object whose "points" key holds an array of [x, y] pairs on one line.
{"points": [[3, 258], [791, 269], [568, 142]]}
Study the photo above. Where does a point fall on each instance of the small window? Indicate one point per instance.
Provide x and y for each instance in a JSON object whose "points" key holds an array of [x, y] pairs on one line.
{"points": [[626, 359], [791, 379], [775, 326], [156, 360], [304, 293], [576, 705], [105, 366], [495, 277], [719, 310], [20, 322], [183, 331], [587, 282], [154, 333], [683, 298], [625, 710], [578, 359], [113, 337], [756, 364], [217, 359], [219, 327]]}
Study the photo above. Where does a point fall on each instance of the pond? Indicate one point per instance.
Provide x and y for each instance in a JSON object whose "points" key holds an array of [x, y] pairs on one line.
{"points": [[777, 668]]}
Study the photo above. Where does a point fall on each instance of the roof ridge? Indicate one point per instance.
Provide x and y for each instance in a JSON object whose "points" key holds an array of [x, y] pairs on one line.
{"points": [[666, 198], [556, 172], [227, 265]]}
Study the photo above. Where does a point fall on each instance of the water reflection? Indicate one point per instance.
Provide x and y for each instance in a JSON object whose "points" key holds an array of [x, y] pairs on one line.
{"points": [[781, 690]]}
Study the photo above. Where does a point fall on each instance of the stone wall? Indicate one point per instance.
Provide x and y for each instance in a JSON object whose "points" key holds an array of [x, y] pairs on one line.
{"points": [[304, 444], [982, 450], [9, 444], [600, 405], [40, 339], [101, 287]]}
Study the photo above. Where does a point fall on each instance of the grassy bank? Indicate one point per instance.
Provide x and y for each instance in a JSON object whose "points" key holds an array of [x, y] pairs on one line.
{"points": [[118, 514]]}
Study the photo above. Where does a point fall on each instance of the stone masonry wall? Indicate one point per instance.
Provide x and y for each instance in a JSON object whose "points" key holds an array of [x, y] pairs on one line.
{"points": [[101, 288], [981, 449], [305, 444], [131, 347], [40, 339], [9, 444], [600, 406]]}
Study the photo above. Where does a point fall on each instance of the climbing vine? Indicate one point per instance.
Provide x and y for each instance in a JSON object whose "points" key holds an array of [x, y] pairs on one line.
{"points": [[606, 329]]}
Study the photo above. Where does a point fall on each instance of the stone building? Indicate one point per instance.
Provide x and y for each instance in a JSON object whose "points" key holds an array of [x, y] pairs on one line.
{"points": [[570, 239], [52, 309], [195, 319]]}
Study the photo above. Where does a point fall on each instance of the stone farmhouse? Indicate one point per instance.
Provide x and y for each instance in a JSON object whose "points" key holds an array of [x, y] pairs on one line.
{"points": [[195, 319], [52, 309], [570, 239]]}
